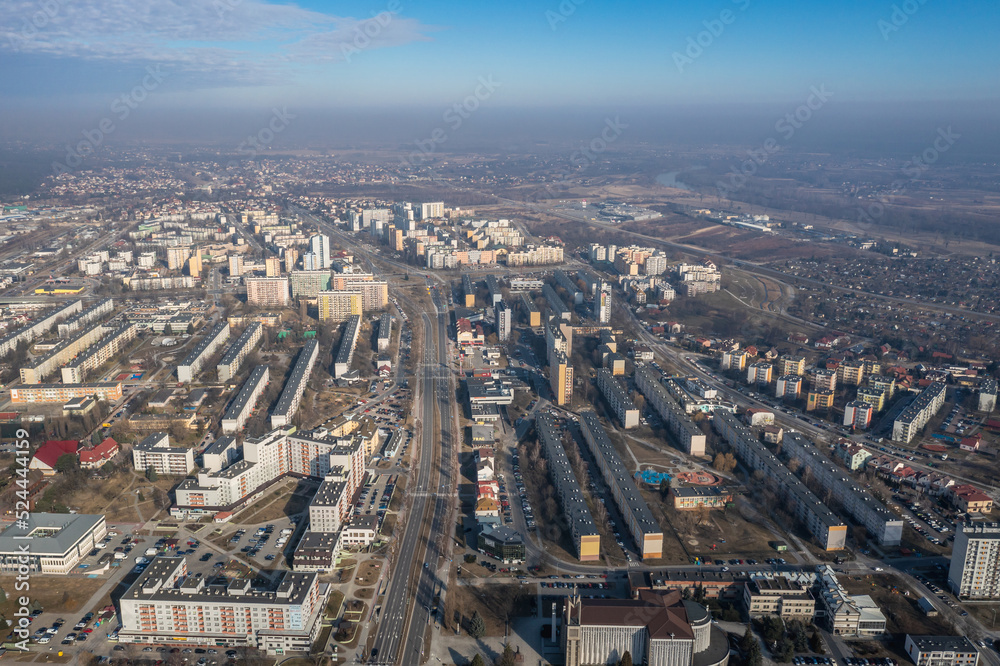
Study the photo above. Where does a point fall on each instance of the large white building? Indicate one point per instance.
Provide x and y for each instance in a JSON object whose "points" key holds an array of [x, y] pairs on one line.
{"points": [[687, 432], [49, 543], [617, 398], [155, 452], [167, 605], [191, 365], [975, 561], [319, 247], [243, 404], [291, 395], [919, 412], [941, 650], [229, 365]]}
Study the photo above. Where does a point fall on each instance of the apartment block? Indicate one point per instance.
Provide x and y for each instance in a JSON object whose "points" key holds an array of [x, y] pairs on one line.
{"points": [[822, 523], [735, 360], [203, 350], [84, 317], [974, 572], [851, 373], [858, 414], [692, 440], [639, 520], [919, 412], [166, 604], [759, 373], [267, 292], [232, 359], [384, 332], [41, 367], [243, 404], [941, 650], [792, 365], [586, 539], [345, 351], [618, 400], [291, 395], [789, 387], [62, 393], [155, 452], [823, 380], [819, 399], [881, 523], [308, 284], [337, 306], [105, 349]]}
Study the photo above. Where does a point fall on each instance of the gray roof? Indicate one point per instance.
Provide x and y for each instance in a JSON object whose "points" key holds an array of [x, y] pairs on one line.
{"points": [[299, 375], [561, 473], [69, 529], [237, 348], [943, 643]]}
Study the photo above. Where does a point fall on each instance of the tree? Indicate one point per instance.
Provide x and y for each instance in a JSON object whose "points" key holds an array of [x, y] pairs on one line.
{"points": [[719, 464], [477, 627], [664, 488], [477, 660], [748, 640], [626, 659], [507, 658], [151, 474], [66, 463], [816, 643], [754, 656]]}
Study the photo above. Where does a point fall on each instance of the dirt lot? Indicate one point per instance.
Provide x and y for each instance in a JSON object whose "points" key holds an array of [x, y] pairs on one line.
{"points": [[368, 572], [62, 593], [493, 603], [288, 498]]}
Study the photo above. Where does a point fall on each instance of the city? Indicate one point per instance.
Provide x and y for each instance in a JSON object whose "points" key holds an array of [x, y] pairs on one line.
{"points": [[569, 335]]}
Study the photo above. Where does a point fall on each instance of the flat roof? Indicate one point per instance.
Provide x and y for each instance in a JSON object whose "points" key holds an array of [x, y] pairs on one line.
{"points": [[942, 643], [51, 533]]}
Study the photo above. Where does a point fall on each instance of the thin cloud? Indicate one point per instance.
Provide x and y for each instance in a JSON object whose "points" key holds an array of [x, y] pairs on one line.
{"points": [[240, 42]]}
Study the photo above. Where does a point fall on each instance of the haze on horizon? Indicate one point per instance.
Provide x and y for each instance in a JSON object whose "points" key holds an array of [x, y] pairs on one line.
{"points": [[522, 74]]}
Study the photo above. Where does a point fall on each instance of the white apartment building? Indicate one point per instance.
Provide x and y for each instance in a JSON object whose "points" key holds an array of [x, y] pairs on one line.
{"points": [[975, 561], [155, 452]]}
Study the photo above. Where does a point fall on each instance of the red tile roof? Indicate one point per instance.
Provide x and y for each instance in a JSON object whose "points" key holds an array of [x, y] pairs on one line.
{"points": [[106, 450], [49, 452]]}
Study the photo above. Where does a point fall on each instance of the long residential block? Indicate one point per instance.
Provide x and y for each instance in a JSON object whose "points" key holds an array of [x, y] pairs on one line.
{"points": [[384, 331], [975, 561], [586, 538], [348, 342], [155, 452], [232, 359], [100, 353], [291, 395], [191, 366], [41, 367], [9, 342], [92, 313], [167, 604], [919, 412], [645, 531], [618, 399], [556, 304], [687, 433], [242, 405], [881, 523], [822, 523], [28, 393]]}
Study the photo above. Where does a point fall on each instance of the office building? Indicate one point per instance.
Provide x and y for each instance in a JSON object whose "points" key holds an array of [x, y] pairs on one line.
{"points": [[941, 650], [49, 543]]}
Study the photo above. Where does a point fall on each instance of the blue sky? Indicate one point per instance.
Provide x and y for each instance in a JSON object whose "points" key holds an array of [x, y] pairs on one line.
{"points": [[253, 53]]}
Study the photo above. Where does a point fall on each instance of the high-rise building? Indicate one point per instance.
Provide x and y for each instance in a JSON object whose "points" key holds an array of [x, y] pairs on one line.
{"points": [[975, 561], [858, 414], [267, 292], [431, 210], [319, 245], [235, 265], [602, 302], [338, 306], [272, 267], [503, 315], [290, 258], [194, 264], [176, 256]]}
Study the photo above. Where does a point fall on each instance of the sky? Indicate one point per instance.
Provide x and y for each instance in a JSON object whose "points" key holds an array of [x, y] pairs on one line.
{"points": [[64, 57]]}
